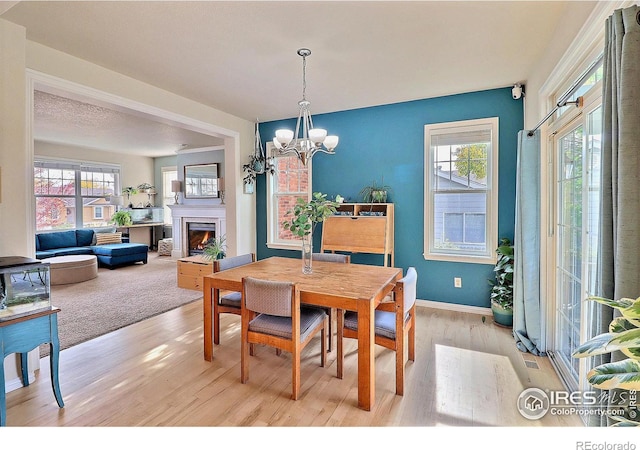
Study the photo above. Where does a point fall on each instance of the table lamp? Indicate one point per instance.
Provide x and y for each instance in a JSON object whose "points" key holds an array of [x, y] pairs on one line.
{"points": [[221, 190], [175, 188]]}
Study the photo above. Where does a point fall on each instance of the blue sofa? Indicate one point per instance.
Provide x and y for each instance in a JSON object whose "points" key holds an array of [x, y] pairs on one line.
{"points": [[83, 242]]}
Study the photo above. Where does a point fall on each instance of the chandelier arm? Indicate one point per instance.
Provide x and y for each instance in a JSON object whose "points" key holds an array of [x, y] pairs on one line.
{"points": [[324, 150]]}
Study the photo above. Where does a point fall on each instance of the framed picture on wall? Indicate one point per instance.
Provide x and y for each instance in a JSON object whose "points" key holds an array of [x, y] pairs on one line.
{"points": [[248, 188]]}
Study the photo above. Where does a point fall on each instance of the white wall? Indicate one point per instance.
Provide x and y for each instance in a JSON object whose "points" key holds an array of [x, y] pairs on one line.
{"points": [[15, 167]]}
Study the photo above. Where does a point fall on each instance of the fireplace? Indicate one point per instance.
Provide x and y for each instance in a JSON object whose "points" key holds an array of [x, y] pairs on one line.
{"points": [[198, 234], [182, 215]]}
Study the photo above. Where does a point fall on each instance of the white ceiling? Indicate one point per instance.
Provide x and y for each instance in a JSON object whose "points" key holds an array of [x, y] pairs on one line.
{"points": [[240, 57]]}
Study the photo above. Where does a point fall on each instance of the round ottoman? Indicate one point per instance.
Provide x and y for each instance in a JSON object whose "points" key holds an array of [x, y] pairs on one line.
{"points": [[72, 268]]}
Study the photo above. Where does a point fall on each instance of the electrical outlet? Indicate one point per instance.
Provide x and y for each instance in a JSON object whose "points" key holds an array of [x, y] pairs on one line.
{"points": [[457, 282]]}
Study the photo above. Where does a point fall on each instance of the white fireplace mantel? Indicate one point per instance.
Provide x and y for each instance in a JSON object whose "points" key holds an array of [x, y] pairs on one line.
{"points": [[182, 214]]}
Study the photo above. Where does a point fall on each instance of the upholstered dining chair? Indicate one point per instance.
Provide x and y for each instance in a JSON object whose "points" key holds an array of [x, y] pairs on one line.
{"points": [[230, 302], [331, 257], [338, 258], [272, 315], [395, 322]]}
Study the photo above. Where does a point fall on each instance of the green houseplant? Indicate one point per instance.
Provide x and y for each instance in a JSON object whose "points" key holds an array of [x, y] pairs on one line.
{"points": [[121, 218], [306, 215], [623, 336], [129, 191], [215, 248], [502, 285], [145, 187], [375, 193]]}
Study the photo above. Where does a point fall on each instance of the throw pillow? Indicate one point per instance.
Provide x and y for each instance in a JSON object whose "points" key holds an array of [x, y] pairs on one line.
{"points": [[108, 238]]}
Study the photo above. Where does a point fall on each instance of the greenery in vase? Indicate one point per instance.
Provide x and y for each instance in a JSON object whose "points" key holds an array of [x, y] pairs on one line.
{"points": [[623, 336], [502, 287], [215, 248], [121, 218], [307, 214]]}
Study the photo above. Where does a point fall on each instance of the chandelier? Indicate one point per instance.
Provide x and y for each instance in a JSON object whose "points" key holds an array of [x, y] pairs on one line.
{"points": [[312, 140]]}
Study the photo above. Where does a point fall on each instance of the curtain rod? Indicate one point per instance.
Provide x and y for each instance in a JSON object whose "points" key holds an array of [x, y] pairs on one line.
{"points": [[574, 87]]}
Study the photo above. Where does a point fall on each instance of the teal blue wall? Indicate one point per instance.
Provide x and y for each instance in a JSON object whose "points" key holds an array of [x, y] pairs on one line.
{"points": [[388, 141]]}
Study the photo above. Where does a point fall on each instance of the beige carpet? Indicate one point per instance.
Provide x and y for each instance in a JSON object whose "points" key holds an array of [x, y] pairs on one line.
{"points": [[117, 298]]}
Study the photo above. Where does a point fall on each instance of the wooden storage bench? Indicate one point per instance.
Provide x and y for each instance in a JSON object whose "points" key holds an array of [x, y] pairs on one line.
{"points": [[191, 269]]}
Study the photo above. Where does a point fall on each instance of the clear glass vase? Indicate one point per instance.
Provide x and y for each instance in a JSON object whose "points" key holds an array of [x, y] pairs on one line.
{"points": [[307, 251]]}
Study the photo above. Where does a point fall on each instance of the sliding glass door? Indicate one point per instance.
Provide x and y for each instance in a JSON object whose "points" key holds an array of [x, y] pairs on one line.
{"points": [[577, 181]]}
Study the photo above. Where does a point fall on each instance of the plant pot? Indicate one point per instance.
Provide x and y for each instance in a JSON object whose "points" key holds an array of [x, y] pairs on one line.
{"points": [[378, 196], [501, 316]]}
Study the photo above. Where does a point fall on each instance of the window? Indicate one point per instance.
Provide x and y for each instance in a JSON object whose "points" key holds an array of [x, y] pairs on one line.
{"points": [[74, 195], [291, 180], [169, 174], [461, 195]]}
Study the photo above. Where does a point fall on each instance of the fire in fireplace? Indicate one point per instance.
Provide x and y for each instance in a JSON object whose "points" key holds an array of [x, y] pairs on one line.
{"points": [[198, 233]]}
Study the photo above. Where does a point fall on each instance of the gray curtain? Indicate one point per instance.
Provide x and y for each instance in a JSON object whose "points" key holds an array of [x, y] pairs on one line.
{"points": [[619, 237], [620, 226], [527, 329]]}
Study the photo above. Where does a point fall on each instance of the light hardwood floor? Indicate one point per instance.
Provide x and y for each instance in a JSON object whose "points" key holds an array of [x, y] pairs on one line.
{"points": [[466, 373]]}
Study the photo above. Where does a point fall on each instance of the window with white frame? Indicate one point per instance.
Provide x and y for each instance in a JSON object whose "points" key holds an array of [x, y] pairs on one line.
{"points": [[461, 191], [73, 195], [291, 180], [169, 174]]}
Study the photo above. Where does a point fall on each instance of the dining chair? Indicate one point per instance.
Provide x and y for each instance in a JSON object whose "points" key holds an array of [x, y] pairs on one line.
{"points": [[338, 258], [395, 322], [272, 316], [230, 302]]}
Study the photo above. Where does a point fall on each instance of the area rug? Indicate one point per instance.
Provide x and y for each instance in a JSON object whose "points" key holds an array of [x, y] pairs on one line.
{"points": [[117, 298]]}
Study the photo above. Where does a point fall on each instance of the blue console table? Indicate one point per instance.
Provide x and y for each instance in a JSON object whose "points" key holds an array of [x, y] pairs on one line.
{"points": [[23, 334]]}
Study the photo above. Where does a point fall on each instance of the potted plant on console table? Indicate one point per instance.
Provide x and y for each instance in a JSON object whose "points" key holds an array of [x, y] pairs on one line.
{"points": [[306, 215]]}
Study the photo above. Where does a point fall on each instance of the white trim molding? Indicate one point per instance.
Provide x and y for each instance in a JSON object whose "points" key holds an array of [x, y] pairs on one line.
{"points": [[454, 307]]}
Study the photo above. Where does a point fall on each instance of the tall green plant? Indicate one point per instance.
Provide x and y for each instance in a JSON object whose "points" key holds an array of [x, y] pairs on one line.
{"points": [[502, 286], [307, 214], [623, 336]]}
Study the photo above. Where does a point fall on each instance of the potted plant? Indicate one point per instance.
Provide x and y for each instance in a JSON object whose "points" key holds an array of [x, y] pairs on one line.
{"points": [[129, 191], [375, 193], [306, 215], [215, 248], [146, 187], [121, 218], [623, 336], [502, 286]]}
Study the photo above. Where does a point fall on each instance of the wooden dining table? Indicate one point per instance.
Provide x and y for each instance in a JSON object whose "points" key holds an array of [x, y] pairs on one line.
{"points": [[352, 287]]}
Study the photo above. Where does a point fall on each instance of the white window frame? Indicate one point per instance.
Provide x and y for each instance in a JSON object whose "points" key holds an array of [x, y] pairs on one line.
{"points": [[469, 256], [78, 167], [98, 212], [272, 217], [168, 197]]}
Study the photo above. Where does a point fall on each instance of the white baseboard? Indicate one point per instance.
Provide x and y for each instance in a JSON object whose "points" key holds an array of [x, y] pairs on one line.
{"points": [[16, 383], [454, 307]]}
